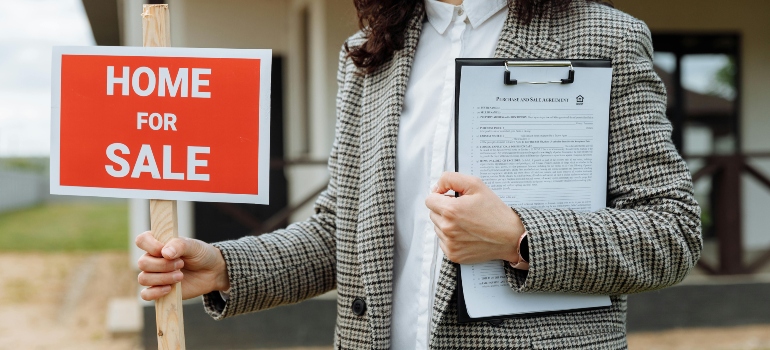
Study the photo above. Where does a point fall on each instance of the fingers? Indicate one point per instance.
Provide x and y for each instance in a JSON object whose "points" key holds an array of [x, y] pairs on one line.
{"points": [[149, 244], [437, 219], [150, 279], [442, 245], [156, 292], [460, 183], [447, 230], [441, 235], [183, 248], [175, 248], [447, 252], [439, 203], [149, 263]]}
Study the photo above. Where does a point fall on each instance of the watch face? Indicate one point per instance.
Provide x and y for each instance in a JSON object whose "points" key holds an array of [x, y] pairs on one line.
{"points": [[524, 248]]}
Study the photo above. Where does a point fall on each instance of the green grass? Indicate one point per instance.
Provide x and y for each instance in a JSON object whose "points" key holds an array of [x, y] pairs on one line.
{"points": [[65, 227], [34, 164]]}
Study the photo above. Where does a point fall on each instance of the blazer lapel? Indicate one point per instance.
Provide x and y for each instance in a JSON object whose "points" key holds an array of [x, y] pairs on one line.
{"points": [[516, 41], [383, 99], [532, 40]]}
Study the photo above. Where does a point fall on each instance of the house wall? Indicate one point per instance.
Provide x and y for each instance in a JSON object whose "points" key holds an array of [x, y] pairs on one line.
{"points": [[331, 22], [751, 19], [236, 24]]}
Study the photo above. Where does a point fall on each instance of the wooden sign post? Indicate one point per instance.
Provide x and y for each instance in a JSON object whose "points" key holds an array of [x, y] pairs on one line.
{"points": [[168, 309], [163, 217]]}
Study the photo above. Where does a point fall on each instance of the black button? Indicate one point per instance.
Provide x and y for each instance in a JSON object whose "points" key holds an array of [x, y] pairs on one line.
{"points": [[358, 307]]}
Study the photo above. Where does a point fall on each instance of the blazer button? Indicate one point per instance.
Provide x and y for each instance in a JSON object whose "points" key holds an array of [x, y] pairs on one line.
{"points": [[358, 307]]}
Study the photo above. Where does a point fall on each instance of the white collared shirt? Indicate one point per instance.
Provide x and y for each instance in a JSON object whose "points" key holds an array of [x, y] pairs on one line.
{"points": [[425, 150]]}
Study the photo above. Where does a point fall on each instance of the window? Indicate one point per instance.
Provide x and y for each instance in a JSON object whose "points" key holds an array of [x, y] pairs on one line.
{"points": [[701, 77]]}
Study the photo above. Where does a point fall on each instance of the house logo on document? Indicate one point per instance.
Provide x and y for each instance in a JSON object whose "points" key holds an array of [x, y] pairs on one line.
{"points": [[579, 100]]}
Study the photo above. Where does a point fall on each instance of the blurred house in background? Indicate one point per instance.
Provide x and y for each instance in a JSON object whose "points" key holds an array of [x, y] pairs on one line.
{"points": [[721, 117], [712, 55]]}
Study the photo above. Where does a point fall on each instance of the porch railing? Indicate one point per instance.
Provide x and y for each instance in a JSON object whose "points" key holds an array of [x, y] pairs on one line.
{"points": [[726, 173]]}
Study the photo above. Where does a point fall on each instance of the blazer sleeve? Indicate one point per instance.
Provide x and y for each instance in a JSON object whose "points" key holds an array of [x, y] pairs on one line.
{"points": [[285, 266], [649, 237]]}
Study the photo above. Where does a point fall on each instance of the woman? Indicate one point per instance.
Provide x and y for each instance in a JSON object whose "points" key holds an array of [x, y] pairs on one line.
{"points": [[376, 230]]}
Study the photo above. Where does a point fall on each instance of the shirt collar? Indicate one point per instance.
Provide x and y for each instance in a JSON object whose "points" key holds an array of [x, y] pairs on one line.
{"points": [[441, 14]]}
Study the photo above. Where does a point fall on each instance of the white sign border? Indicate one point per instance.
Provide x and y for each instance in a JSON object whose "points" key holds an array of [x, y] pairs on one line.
{"points": [[265, 55]]}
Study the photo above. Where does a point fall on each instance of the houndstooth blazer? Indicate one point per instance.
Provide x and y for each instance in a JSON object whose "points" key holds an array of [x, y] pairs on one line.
{"points": [[648, 238]]}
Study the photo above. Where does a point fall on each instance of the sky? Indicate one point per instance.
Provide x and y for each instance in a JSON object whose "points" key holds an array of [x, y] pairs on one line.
{"points": [[28, 31]]}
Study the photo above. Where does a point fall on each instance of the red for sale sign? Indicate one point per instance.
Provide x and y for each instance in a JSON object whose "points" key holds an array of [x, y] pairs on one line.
{"points": [[161, 123]]}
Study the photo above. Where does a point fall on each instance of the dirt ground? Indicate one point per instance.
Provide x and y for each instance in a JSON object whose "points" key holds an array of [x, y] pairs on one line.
{"points": [[59, 301], [738, 338], [41, 309]]}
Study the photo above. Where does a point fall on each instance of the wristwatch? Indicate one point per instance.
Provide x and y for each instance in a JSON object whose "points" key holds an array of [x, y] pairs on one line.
{"points": [[523, 263]]}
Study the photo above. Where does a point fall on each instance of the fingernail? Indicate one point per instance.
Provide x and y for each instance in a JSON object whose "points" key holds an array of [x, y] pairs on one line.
{"points": [[434, 188], [169, 252], [178, 265], [178, 276], [166, 289]]}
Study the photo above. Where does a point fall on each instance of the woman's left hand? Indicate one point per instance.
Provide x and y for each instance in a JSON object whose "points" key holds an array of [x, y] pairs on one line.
{"points": [[475, 227]]}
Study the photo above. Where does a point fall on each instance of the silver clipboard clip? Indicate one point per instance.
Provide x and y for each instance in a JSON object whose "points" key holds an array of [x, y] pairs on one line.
{"points": [[507, 76]]}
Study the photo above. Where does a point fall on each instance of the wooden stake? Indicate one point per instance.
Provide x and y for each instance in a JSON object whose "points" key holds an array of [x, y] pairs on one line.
{"points": [[156, 26], [168, 309], [163, 219]]}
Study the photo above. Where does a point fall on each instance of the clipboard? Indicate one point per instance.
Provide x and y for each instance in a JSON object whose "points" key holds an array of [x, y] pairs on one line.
{"points": [[510, 78]]}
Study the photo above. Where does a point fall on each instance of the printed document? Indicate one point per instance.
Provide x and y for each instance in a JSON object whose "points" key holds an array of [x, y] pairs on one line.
{"points": [[536, 146]]}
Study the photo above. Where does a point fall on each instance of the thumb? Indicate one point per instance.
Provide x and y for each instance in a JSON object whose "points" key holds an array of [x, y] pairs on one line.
{"points": [[460, 183], [181, 247]]}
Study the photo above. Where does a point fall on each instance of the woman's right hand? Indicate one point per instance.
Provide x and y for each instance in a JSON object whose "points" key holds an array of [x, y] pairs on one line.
{"points": [[198, 265]]}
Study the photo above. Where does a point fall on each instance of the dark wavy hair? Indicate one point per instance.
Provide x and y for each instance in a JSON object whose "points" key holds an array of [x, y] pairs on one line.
{"points": [[384, 24]]}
